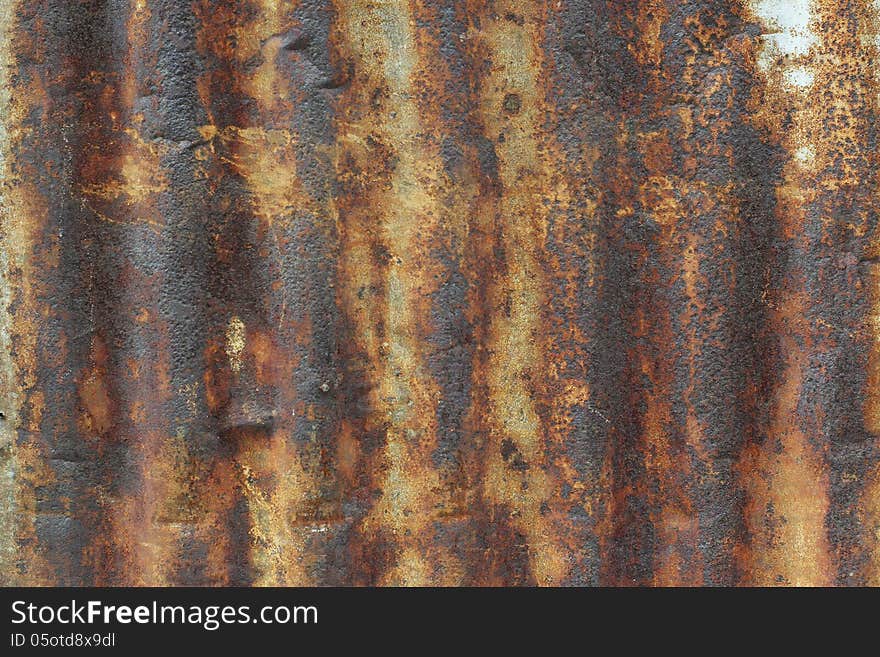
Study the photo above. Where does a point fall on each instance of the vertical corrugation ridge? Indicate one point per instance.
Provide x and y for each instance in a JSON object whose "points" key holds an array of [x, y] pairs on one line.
{"points": [[119, 179], [518, 469], [265, 382], [389, 213], [787, 495], [11, 261], [817, 102], [55, 470]]}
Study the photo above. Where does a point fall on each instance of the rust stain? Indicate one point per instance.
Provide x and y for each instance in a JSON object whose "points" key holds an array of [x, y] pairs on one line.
{"points": [[396, 292], [388, 276], [512, 104]]}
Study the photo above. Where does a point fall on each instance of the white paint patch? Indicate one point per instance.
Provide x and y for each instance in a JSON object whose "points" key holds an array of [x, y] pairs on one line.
{"points": [[788, 31], [798, 76], [805, 154], [788, 15], [786, 61]]}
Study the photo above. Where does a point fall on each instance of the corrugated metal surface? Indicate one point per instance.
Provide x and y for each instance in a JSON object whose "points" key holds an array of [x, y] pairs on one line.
{"points": [[450, 292]]}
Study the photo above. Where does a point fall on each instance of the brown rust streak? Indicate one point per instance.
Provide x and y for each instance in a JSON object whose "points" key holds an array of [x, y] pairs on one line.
{"points": [[140, 525], [388, 217], [869, 504], [655, 505], [124, 401], [666, 456], [24, 211], [698, 219], [518, 470], [263, 151], [787, 477], [278, 478], [785, 487], [222, 483], [870, 515]]}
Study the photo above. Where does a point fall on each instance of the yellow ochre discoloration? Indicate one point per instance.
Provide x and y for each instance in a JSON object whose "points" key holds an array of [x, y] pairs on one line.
{"points": [[869, 504], [870, 517], [8, 479], [811, 66], [512, 101], [24, 457], [397, 214], [235, 336], [278, 478]]}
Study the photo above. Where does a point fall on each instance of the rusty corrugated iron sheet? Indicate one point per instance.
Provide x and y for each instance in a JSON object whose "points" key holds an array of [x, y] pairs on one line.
{"points": [[440, 292]]}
